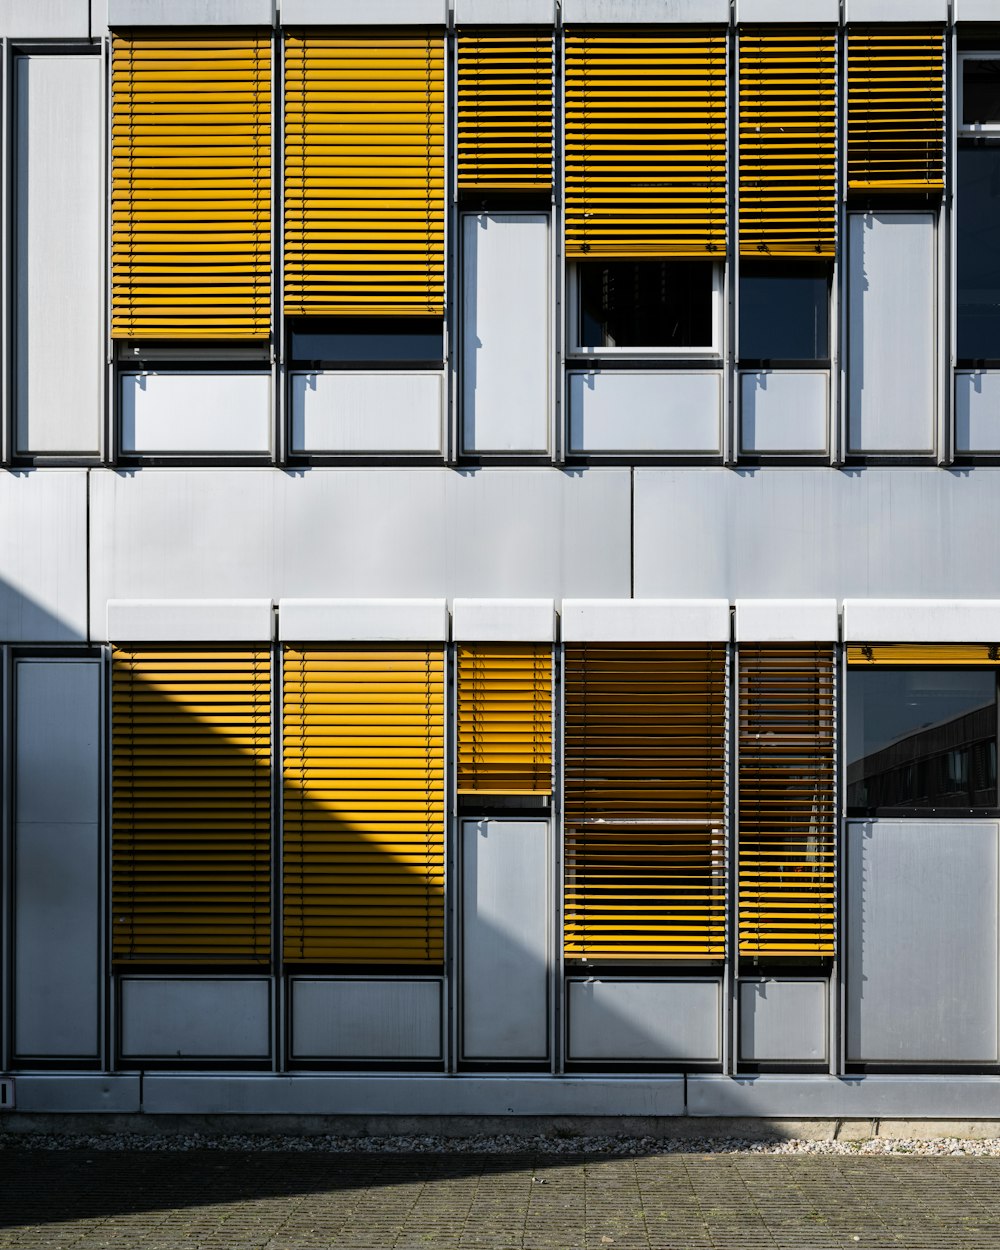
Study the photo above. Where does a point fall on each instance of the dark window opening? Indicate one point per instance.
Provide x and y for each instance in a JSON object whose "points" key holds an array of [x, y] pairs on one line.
{"points": [[981, 91], [391, 341], [784, 312], [978, 263], [646, 304]]}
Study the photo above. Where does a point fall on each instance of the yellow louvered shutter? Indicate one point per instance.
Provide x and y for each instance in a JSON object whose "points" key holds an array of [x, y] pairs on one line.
{"points": [[788, 141], [645, 137], [932, 655], [191, 836], [645, 787], [504, 719], [191, 188], [364, 805], [504, 110], [895, 108], [787, 800], [364, 175]]}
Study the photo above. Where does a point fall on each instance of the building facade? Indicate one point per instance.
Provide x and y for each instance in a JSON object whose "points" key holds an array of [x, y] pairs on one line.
{"points": [[500, 557]]}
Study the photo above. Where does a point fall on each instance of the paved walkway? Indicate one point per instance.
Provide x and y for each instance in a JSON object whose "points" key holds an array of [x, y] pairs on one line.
{"points": [[284, 1201]]}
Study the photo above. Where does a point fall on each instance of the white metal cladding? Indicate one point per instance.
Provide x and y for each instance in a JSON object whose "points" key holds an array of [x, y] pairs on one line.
{"points": [[203, 413], [45, 19], [370, 13], [357, 1018], [363, 620], [792, 11], [651, 11], [190, 620], [783, 1020], [505, 926], [344, 411], [195, 1017], [645, 620], [785, 411], [653, 1021], [505, 332], [897, 11], [921, 620], [503, 620], [616, 410], [57, 261], [505, 12], [892, 350], [975, 10], [43, 556], [191, 12], [977, 411], [57, 910], [786, 620], [794, 1097]]}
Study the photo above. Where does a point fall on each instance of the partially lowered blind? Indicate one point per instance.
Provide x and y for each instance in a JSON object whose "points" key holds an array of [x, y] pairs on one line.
{"points": [[191, 187], [787, 866], [645, 137], [504, 719], [914, 654], [364, 812], [645, 790], [504, 110], [895, 108], [191, 806], [788, 141], [364, 175]]}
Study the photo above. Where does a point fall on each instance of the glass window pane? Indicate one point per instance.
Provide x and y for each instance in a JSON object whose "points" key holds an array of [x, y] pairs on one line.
{"points": [[978, 253], [981, 91], [784, 312], [374, 340], [921, 738], [646, 304]]}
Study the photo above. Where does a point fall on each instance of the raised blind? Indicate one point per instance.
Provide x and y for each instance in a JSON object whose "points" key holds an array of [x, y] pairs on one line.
{"points": [[962, 654], [504, 719]]}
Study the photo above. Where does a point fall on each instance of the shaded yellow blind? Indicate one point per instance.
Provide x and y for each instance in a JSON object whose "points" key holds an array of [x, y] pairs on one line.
{"points": [[788, 141], [787, 866], [504, 719], [191, 835], [364, 805], [895, 108], [505, 110], [972, 654], [645, 770], [364, 175], [191, 187]]}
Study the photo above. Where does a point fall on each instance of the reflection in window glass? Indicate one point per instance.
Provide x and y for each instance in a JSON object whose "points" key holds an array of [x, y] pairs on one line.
{"points": [[784, 312], [981, 91], [646, 304], [921, 738], [978, 253], [372, 340]]}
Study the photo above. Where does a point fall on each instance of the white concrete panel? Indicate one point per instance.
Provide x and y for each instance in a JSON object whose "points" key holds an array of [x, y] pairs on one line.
{"points": [[363, 620], [191, 12], [615, 410], [353, 1018], [892, 342], [606, 11], [977, 411], [343, 411], [655, 1021], [921, 620], [783, 1020], [173, 533], [44, 19], [505, 332], [787, 11], [785, 411], [650, 620], [808, 533], [195, 1017], [898, 11], [505, 12], [200, 413], [371, 13], [58, 250], [503, 620], [786, 620], [43, 556], [190, 620]]}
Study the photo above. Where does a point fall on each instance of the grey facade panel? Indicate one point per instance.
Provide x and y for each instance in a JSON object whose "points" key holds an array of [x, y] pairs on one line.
{"points": [[190, 13], [370, 13], [867, 1097], [195, 1017], [783, 1020], [80, 1092], [354, 1018], [505, 12], [606, 11], [654, 1021]]}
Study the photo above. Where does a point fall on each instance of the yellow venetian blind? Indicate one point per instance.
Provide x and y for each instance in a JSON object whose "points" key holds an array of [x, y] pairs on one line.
{"points": [[787, 867], [504, 110], [915, 654], [504, 719], [364, 805], [191, 836], [191, 187], [645, 778], [895, 108], [364, 175], [788, 141], [645, 137]]}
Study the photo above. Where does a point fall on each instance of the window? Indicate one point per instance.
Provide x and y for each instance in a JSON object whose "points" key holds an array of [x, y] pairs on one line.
{"points": [[784, 312], [980, 92], [647, 307], [410, 342], [978, 261]]}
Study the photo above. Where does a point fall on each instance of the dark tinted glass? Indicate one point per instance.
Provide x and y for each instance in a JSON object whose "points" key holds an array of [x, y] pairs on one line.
{"points": [[980, 91], [374, 340], [979, 253], [784, 312], [646, 304], [921, 738]]}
